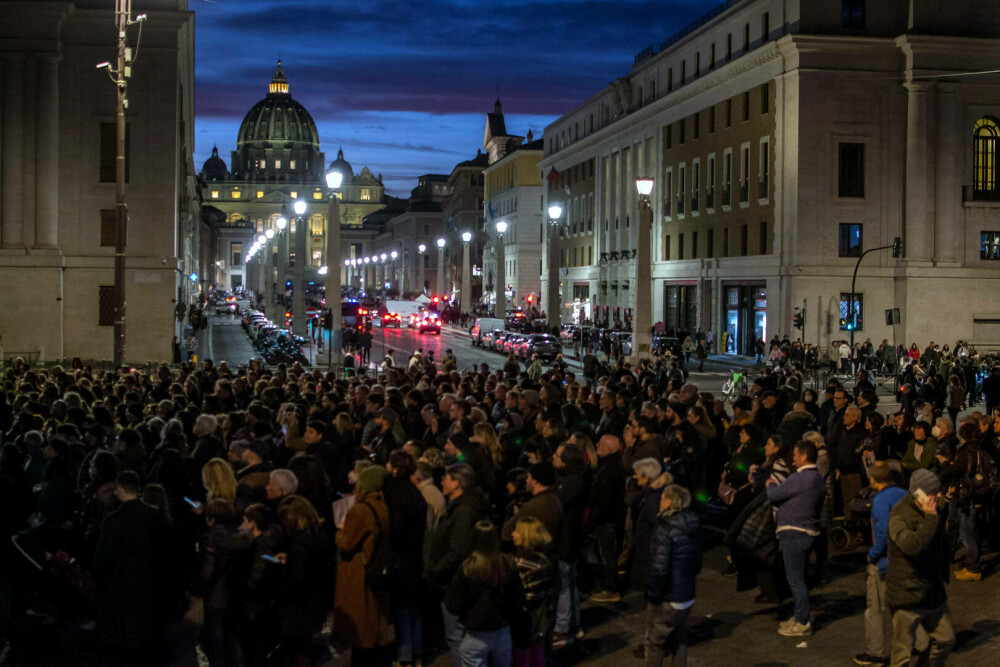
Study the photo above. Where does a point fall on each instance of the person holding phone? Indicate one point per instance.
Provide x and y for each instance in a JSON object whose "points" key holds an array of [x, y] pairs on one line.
{"points": [[918, 571]]}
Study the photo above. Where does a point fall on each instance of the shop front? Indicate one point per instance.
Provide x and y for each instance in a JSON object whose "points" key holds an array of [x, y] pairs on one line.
{"points": [[744, 317], [680, 308]]}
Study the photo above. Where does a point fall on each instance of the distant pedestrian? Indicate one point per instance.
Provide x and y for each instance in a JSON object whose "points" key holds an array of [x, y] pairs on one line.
{"points": [[192, 347]]}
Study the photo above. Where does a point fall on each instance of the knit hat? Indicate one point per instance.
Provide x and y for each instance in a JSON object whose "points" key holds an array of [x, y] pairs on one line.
{"points": [[372, 479], [260, 448], [543, 472], [925, 481]]}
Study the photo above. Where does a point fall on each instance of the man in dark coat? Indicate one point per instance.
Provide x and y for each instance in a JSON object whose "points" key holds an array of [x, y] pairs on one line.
{"points": [[612, 420], [572, 489], [918, 572], [129, 566], [544, 504], [606, 511]]}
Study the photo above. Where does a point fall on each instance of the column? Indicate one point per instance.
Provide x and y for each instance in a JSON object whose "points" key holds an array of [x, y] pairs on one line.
{"points": [[282, 263], [420, 272], [47, 154], [299, 278], [949, 165], [12, 165], [333, 255], [269, 279], [500, 281], [918, 226], [466, 280]]}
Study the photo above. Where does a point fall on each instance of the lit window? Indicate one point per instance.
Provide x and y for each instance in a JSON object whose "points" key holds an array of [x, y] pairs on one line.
{"points": [[366, 194], [852, 317], [984, 166], [294, 194], [317, 257], [291, 164], [317, 195], [237, 194], [263, 164], [215, 194], [849, 240], [989, 245], [277, 164], [260, 193]]}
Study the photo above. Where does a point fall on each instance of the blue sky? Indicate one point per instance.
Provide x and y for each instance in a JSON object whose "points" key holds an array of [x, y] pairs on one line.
{"points": [[404, 85]]}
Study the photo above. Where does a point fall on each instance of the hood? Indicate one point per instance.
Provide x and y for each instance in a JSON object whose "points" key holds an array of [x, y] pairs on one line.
{"points": [[797, 415], [684, 521], [663, 480], [474, 498]]}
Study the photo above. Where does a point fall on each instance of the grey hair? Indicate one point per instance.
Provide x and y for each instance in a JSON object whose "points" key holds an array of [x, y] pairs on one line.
{"points": [[206, 424], [680, 498], [649, 468], [424, 470], [853, 408], [286, 480], [73, 399]]}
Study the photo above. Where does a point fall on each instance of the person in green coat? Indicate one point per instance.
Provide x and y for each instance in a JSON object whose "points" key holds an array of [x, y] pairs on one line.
{"points": [[921, 451]]}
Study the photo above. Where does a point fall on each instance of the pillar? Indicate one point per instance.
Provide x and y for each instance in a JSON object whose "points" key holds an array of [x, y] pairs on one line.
{"points": [[47, 154], [12, 163], [918, 226]]}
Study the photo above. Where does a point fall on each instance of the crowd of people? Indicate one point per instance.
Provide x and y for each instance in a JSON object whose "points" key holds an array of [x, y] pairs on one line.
{"points": [[428, 511]]}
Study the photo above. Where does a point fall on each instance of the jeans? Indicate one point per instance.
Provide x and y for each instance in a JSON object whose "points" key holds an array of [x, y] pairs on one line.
{"points": [[479, 649], [409, 633], [568, 605], [795, 547], [606, 541], [878, 622], [666, 629], [454, 632], [937, 623], [968, 537]]}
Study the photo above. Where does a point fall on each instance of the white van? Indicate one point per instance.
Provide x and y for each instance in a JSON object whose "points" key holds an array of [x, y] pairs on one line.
{"points": [[484, 325]]}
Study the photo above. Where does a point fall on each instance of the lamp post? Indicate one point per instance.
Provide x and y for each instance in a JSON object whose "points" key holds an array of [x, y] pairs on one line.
{"points": [[299, 272], [440, 278], [642, 314], [552, 302], [421, 249], [268, 270], [395, 284], [282, 224], [365, 276], [466, 274], [500, 310], [334, 178], [385, 272], [261, 256]]}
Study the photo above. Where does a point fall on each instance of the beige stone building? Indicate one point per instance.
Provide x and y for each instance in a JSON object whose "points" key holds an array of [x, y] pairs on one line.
{"points": [[57, 179], [786, 139]]}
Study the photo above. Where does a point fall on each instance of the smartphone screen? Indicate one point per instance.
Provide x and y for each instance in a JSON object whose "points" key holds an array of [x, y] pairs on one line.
{"points": [[270, 559], [192, 503]]}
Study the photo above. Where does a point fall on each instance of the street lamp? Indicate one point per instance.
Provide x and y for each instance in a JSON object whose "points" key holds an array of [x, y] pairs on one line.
{"points": [[642, 313], [393, 255], [299, 272], [466, 296], [421, 249], [440, 278], [551, 301], [500, 310]]}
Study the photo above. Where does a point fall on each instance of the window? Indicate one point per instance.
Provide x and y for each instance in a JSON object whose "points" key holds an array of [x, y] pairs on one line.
{"points": [[666, 247], [106, 306], [765, 99], [729, 112], [710, 247], [277, 164], [765, 27], [215, 194], [746, 37], [697, 64], [293, 194], [711, 56], [694, 245], [989, 247], [852, 318], [711, 119], [668, 193], [109, 225], [727, 177], [852, 14], [291, 164], [745, 173], [729, 47], [683, 72], [725, 242], [680, 132], [851, 182], [763, 169], [984, 167], [260, 193], [317, 195], [317, 258], [849, 240], [670, 79], [236, 194], [109, 151], [680, 246], [744, 231], [762, 238], [695, 184], [263, 164], [746, 106], [697, 124], [669, 136], [236, 252]]}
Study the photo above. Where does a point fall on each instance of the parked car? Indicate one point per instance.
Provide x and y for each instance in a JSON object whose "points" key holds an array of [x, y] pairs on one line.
{"points": [[546, 346], [390, 320], [430, 323], [484, 325]]}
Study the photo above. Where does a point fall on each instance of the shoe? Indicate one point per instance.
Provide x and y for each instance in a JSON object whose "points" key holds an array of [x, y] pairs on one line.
{"points": [[730, 571], [795, 629], [787, 622], [869, 660], [559, 639], [579, 634], [766, 599], [967, 575], [605, 597], [640, 652]]}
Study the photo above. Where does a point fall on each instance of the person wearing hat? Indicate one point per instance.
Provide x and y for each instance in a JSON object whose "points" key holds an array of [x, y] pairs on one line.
{"points": [[384, 442], [544, 504], [360, 616], [918, 571]]}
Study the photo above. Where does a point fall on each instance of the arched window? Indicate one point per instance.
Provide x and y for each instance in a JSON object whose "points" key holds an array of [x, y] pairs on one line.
{"points": [[984, 168]]}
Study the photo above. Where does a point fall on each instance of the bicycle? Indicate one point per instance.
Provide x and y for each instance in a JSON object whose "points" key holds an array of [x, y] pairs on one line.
{"points": [[735, 387]]}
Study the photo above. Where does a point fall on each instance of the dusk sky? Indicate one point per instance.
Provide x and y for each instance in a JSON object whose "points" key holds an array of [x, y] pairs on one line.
{"points": [[404, 86]]}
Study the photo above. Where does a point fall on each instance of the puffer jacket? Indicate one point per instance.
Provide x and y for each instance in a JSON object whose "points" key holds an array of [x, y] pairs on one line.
{"points": [[676, 558], [452, 539], [918, 558]]}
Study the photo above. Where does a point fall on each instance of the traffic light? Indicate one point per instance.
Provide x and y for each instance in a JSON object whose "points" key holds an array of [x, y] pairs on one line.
{"points": [[843, 323], [328, 320], [897, 247], [797, 320], [531, 299]]}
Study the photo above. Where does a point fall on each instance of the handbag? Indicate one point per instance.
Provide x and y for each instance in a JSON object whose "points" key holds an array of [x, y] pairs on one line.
{"points": [[380, 569]]}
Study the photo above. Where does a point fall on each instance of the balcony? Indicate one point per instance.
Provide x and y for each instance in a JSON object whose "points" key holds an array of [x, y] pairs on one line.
{"points": [[975, 193], [744, 192], [727, 197], [710, 198], [680, 204], [762, 188]]}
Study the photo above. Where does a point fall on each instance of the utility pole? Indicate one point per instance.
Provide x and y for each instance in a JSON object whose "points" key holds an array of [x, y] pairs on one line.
{"points": [[120, 75]]}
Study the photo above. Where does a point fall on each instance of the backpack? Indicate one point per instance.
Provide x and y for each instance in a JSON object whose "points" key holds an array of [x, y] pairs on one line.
{"points": [[381, 568]]}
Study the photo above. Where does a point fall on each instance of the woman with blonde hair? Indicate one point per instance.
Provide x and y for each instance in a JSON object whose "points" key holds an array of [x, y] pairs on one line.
{"points": [[486, 436], [531, 628], [218, 480]]}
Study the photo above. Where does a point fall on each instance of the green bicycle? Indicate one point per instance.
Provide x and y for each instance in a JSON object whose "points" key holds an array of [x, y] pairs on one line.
{"points": [[735, 387]]}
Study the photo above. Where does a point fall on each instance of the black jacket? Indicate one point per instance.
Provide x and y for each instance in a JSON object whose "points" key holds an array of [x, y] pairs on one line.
{"points": [[607, 492], [407, 520], [844, 450], [482, 607], [918, 558], [452, 539], [572, 488], [676, 558]]}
